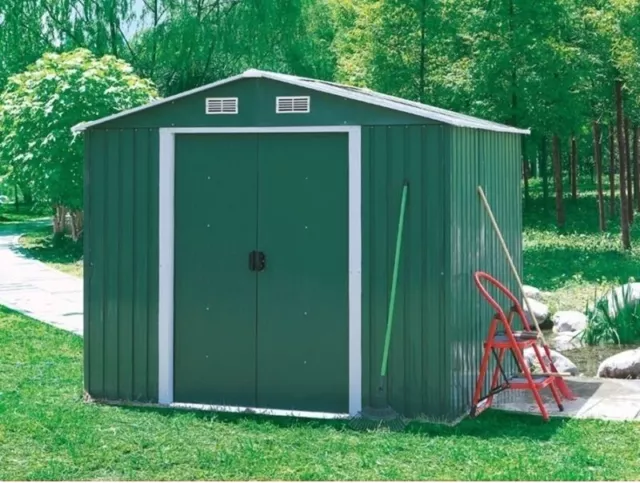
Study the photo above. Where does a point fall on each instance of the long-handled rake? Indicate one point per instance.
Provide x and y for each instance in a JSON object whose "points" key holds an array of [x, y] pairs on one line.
{"points": [[559, 382], [380, 414]]}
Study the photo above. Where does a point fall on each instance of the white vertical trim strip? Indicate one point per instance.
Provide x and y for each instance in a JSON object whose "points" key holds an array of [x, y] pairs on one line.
{"points": [[165, 250], [355, 272]]}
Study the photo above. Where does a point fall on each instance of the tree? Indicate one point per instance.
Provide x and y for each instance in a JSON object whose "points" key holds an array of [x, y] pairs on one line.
{"points": [[557, 177], [37, 111], [624, 208], [597, 156]]}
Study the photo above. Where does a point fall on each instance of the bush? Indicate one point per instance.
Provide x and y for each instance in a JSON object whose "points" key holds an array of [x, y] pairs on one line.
{"points": [[619, 324], [38, 108]]}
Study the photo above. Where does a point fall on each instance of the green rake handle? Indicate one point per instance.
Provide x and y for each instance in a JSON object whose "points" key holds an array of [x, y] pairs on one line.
{"points": [[394, 282]]}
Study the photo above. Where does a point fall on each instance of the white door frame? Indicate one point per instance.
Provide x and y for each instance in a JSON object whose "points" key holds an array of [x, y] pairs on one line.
{"points": [[166, 258]]}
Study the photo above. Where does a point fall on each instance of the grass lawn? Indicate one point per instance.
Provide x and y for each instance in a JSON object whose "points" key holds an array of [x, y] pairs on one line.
{"points": [[8, 214], [573, 263], [48, 433], [63, 255]]}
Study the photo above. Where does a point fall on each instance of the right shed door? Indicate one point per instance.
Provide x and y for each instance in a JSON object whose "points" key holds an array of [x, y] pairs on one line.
{"points": [[303, 318]]}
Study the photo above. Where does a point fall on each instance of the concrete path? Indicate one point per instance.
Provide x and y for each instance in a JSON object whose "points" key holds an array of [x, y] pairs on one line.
{"points": [[611, 399], [34, 289]]}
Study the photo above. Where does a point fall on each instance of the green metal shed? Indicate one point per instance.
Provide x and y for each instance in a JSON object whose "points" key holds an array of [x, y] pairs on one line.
{"points": [[182, 193]]}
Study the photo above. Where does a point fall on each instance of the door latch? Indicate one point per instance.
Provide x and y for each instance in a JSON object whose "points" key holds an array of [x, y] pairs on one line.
{"points": [[257, 261]]}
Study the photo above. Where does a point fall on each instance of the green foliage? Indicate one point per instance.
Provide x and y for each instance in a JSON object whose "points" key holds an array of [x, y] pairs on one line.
{"points": [[39, 107], [613, 319]]}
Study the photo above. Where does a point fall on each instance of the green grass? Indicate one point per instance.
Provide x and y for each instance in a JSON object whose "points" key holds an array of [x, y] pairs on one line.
{"points": [[47, 432], [8, 214], [60, 253], [574, 262]]}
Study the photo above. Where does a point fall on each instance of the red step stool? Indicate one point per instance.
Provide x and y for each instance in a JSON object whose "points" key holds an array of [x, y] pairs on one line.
{"points": [[499, 342]]}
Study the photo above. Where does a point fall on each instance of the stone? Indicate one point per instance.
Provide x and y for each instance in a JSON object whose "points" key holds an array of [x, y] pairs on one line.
{"points": [[569, 321], [566, 341], [625, 365], [562, 363], [540, 312], [629, 292], [532, 292]]}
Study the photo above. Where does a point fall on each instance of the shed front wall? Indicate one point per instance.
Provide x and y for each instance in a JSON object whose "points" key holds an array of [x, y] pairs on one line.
{"points": [[121, 264], [440, 323]]}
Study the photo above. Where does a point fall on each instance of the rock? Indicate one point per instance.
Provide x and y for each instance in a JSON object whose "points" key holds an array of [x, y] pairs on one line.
{"points": [[566, 341], [540, 312], [569, 321], [532, 292], [625, 365], [629, 292], [562, 363]]}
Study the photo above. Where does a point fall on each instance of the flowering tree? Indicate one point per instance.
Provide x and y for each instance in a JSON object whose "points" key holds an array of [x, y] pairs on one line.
{"points": [[38, 109]]}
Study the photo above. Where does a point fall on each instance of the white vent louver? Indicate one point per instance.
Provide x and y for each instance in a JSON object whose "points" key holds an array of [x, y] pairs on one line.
{"points": [[221, 105], [294, 104]]}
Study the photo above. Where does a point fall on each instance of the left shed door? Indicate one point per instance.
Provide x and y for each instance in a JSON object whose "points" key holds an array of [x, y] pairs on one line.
{"points": [[215, 292]]}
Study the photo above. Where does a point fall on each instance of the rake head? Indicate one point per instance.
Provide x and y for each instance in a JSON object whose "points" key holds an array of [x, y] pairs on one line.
{"points": [[377, 418]]}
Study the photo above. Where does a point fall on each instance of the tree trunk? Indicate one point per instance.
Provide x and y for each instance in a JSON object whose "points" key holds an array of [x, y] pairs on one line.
{"points": [[557, 177], [636, 160], [597, 161], [627, 150], [16, 201], [27, 196], [574, 169], [58, 220], [612, 174], [543, 172], [624, 212], [77, 224]]}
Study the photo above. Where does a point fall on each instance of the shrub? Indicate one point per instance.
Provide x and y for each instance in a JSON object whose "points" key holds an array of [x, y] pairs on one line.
{"points": [[39, 107], [619, 324]]}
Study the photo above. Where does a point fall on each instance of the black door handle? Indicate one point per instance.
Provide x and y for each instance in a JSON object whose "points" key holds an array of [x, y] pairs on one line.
{"points": [[257, 261]]}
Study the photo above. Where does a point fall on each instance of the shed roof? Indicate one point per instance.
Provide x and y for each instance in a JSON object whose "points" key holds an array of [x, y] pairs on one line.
{"points": [[366, 96]]}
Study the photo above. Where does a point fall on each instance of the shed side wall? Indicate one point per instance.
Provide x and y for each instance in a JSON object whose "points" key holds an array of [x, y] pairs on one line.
{"points": [[491, 160], [121, 269], [390, 154]]}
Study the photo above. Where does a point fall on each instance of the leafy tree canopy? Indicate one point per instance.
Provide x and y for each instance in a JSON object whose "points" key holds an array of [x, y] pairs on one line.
{"points": [[39, 107]]}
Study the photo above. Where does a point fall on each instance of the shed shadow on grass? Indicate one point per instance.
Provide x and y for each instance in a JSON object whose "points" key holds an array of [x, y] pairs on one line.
{"points": [[490, 424]]}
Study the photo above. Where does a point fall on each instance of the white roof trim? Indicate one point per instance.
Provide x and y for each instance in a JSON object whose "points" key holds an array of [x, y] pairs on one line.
{"points": [[348, 92]]}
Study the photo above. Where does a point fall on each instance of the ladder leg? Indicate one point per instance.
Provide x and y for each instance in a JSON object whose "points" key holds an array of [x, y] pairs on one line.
{"points": [[480, 381], [552, 386], [496, 375], [539, 402], [484, 365]]}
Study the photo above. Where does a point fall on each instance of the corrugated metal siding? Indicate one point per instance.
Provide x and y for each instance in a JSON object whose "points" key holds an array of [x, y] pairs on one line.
{"points": [[491, 160], [121, 253], [440, 320], [391, 154]]}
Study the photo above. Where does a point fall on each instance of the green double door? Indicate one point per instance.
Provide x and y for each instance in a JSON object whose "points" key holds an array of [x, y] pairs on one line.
{"points": [[275, 337]]}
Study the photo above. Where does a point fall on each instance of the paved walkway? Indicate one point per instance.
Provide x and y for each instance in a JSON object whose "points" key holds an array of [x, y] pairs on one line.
{"points": [[611, 399], [33, 288]]}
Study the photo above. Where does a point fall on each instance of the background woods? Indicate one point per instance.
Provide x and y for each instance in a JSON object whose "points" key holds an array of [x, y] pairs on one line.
{"points": [[566, 69]]}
